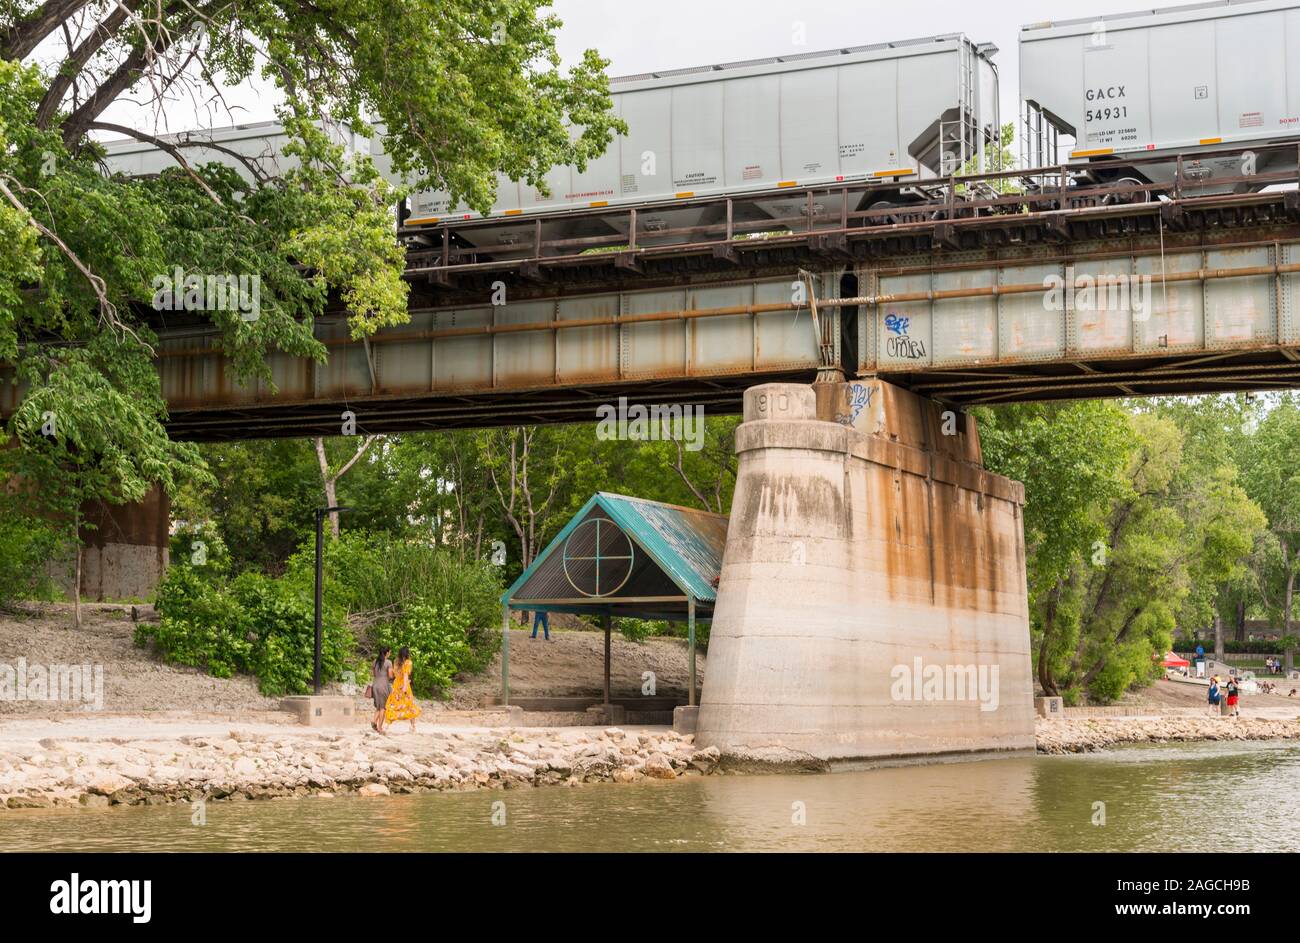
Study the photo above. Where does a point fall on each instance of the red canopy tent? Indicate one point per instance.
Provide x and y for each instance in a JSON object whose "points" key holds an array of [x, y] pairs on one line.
{"points": [[1173, 661]]}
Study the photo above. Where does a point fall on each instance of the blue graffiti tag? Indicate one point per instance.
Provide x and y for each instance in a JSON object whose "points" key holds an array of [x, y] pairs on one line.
{"points": [[859, 398], [901, 345]]}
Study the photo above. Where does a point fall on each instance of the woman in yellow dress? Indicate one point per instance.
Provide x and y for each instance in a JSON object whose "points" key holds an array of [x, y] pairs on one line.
{"points": [[401, 702]]}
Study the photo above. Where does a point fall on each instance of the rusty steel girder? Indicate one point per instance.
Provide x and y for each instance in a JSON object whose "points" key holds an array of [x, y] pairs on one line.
{"points": [[1182, 308]]}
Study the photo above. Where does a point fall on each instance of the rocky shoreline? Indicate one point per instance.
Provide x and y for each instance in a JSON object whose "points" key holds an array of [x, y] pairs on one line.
{"points": [[279, 762], [298, 764], [1088, 735]]}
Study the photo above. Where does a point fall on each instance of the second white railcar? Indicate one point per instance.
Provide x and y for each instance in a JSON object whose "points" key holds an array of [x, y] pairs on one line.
{"points": [[1183, 79]]}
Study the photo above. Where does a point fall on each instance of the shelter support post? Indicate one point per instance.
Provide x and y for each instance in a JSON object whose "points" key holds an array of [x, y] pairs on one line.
{"points": [[607, 622], [690, 650], [505, 654]]}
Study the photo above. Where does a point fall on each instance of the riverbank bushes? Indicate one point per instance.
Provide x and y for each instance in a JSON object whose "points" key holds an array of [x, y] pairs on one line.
{"points": [[376, 591], [249, 625], [439, 637], [638, 630], [409, 593], [370, 572], [26, 544]]}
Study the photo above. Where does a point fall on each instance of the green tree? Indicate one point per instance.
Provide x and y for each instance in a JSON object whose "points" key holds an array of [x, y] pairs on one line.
{"points": [[1071, 459], [1272, 478], [466, 89], [1127, 537], [1216, 433], [261, 499], [81, 440]]}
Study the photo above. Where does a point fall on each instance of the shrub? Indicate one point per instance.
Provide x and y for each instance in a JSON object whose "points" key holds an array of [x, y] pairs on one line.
{"points": [[439, 639], [282, 629], [200, 625], [27, 545], [253, 625], [443, 609], [200, 546], [365, 572], [638, 630], [1232, 646]]}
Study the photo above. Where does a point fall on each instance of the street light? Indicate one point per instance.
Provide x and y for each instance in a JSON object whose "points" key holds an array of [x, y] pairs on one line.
{"points": [[320, 540]]}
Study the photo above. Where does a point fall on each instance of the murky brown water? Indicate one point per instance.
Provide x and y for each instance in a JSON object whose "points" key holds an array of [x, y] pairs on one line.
{"points": [[1152, 795]]}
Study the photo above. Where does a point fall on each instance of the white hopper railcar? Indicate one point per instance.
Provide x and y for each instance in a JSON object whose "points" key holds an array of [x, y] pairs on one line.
{"points": [[1153, 83]]}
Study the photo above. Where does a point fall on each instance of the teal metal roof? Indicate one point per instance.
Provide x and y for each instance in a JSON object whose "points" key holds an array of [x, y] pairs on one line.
{"points": [[685, 544]]}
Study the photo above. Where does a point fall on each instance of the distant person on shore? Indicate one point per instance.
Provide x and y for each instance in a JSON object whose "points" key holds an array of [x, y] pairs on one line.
{"points": [[1213, 696], [381, 685], [401, 702], [1233, 692], [540, 617]]}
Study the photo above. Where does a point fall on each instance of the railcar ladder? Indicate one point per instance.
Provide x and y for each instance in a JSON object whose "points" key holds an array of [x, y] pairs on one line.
{"points": [[957, 144]]}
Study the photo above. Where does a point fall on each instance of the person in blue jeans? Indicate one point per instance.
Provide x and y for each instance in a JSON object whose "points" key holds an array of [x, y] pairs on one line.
{"points": [[540, 617]]}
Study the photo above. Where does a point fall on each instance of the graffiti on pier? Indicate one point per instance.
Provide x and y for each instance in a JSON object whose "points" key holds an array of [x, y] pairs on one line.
{"points": [[859, 396]]}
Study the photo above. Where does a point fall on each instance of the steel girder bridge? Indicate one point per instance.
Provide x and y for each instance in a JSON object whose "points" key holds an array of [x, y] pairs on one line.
{"points": [[967, 294]]}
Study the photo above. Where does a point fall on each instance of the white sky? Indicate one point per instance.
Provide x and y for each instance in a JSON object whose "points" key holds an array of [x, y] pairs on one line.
{"points": [[649, 35]]}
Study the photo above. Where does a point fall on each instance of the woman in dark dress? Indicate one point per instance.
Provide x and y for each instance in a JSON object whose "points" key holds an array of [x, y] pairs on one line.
{"points": [[381, 684]]}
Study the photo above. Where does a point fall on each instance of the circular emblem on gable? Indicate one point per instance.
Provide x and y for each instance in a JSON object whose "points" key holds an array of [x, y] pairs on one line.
{"points": [[598, 557]]}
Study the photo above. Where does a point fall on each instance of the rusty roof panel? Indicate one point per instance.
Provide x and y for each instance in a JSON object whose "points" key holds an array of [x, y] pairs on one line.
{"points": [[674, 550]]}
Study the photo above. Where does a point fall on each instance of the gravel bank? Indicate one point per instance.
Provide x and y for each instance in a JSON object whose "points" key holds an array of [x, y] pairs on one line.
{"points": [[137, 681], [286, 762], [134, 680], [1086, 735]]}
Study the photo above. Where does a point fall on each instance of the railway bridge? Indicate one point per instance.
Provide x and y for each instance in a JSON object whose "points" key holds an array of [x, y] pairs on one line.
{"points": [[852, 339], [1063, 290]]}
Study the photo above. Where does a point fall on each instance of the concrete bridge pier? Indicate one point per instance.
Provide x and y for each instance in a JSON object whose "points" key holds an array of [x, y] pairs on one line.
{"points": [[872, 602]]}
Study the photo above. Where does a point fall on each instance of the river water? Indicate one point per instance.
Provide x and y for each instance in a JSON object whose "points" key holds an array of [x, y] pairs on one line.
{"points": [[1155, 798]]}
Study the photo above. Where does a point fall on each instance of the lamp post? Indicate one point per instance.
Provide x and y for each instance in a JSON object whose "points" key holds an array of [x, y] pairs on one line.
{"points": [[320, 540]]}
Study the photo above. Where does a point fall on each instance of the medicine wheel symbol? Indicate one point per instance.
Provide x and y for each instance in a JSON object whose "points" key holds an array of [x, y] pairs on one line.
{"points": [[598, 557]]}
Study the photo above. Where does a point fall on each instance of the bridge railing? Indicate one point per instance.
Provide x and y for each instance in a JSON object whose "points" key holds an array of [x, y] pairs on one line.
{"points": [[853, 208]]}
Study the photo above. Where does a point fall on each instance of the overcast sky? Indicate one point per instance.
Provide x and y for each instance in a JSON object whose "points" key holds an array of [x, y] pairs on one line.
{"points": [[649, 35]]}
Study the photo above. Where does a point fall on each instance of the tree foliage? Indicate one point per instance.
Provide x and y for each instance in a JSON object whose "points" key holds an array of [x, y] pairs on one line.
{"points": [[1128, 538], [466, 89]]}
